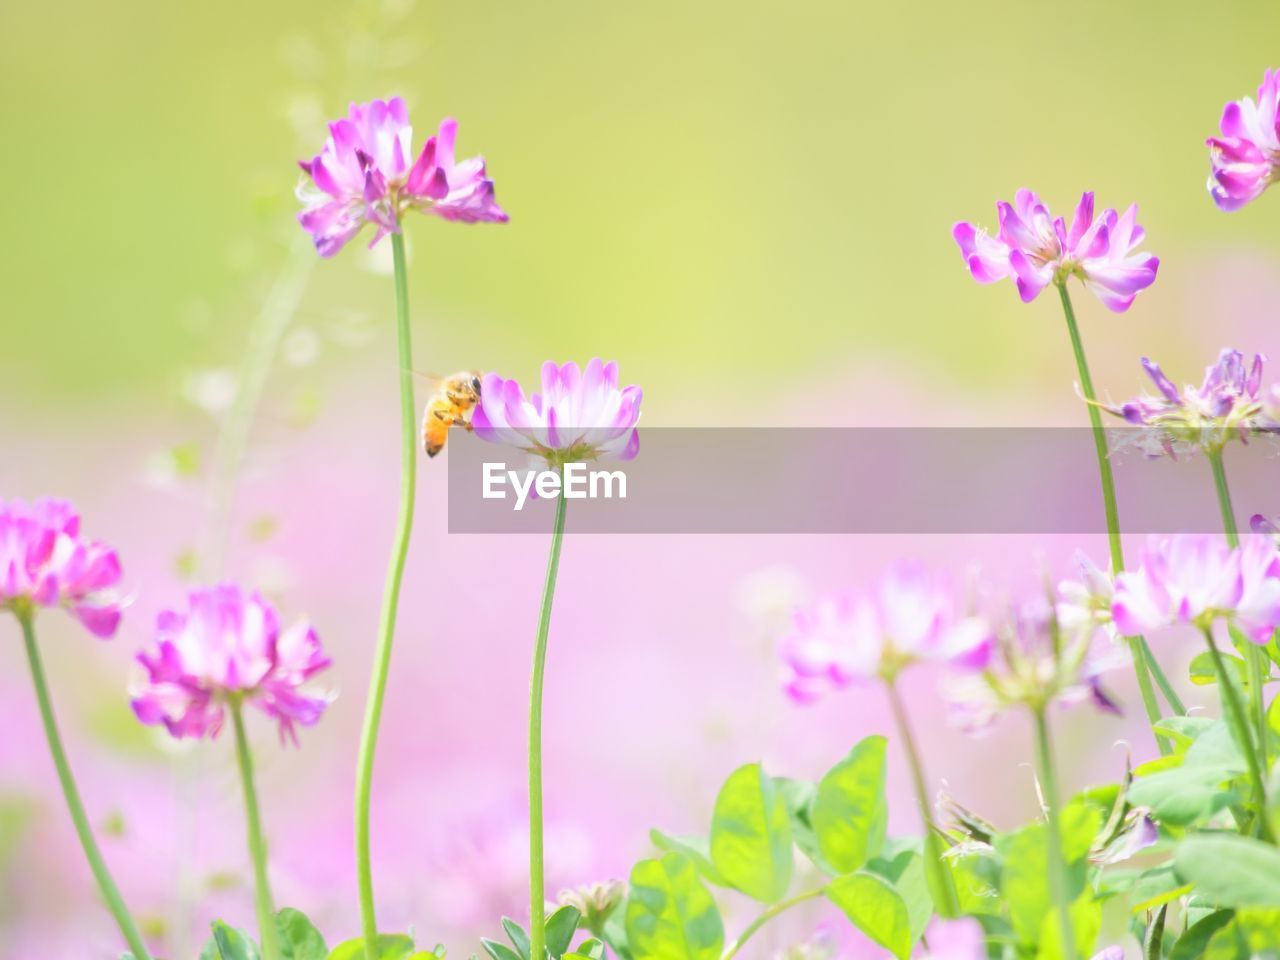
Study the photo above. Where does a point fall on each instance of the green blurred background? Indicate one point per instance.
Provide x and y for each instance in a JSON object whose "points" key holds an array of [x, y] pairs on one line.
{"points": [[717, 193]]}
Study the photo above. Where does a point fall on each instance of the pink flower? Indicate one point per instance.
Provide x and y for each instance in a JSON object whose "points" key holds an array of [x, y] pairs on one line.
{"points": [[579, 415], [1040, 659], [1036, 249], [907, 617], [1198, 579], [45, 562], [366, 174], [228, 645], [1226, 405], [961, 939], [1245, 160]]}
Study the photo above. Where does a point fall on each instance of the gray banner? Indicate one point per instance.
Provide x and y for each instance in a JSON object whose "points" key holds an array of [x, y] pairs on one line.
{"points": [[867, 480]]}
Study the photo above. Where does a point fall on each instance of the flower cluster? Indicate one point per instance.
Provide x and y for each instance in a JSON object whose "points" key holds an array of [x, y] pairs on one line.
{"points": [[1035, 248], [1227, 405], [1198, 579], [45, 562], [1039, 660], [1245, 159], [366, 174], [581, 414], [228, 646], [907, 617]]}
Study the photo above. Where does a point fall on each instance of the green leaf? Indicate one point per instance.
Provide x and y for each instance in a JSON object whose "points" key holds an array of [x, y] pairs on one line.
{"points": [[1231, 871], [1184, 795], [1153, 942], [391, 946], [1183, 731], [799, 796], [1085, 915], [697, 849], [1193, 944], [560, 928], [299, 938], [499, 951], [906, 872], [229, 943], [670, 915], [519, 939], [876, 909], [1024, 878], [849, 813], [1203, 672], [587, 950], [751, 835]]}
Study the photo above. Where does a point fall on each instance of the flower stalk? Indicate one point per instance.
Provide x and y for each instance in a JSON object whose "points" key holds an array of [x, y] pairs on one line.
{"points": [[390, 602], [941, 884], [537, 879], [780, 907], [1144, 662], [106, 885], [1237, 717], [267, 932], [1057, 862], [1255, 656]]}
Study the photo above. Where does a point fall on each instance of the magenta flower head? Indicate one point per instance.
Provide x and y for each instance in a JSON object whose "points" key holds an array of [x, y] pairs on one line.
{"points": [[367, 173], [1198, 579], [226, 646], [45, 562], [1245, 160], [1035, 248], [907, 617], [1227, 405], [579, 415], [1040, 658]]}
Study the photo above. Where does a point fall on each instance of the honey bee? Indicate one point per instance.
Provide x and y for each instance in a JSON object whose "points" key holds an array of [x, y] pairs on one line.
{"points": [[452, 403]]}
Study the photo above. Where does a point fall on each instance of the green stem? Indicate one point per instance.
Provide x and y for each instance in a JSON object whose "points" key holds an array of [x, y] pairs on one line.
{"points": [[1144, 662], [940, 882], [390, 603], [1256, 656], [1057, 863], [1231, 703], [537, 890], [768, 915], [257, 846], [107, 886]]}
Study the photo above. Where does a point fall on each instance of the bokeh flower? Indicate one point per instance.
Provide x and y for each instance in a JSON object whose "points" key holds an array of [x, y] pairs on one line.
{"points": [[366, 173], [1245, 159], [1227, 405], [579, 415], [1198, 579], [1035, 248], [227, 645], [908, 616], [1038, 659], [45, 562], [960, 939]]}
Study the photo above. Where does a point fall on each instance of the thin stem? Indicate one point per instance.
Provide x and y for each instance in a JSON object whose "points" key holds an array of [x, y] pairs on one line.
{"points": [[257, 845], [1231, 703], [767, 915], [390, 603], [1255, 655], [537, 890], [1144, 662], [107, 886], [1057, 863], [941, 885]]}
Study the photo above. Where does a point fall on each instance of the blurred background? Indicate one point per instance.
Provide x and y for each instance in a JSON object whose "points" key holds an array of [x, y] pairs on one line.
{"points": [[748, 205]]}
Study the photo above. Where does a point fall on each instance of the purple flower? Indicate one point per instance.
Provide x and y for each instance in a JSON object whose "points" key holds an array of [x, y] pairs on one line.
{"points": [[366, 174], [1198, 579], [1039, 659], [907, 617], [45, 562], [1226, 405], [1085, 604], [227, 645], [1036, 248], [1245, 160], [579, 415]]}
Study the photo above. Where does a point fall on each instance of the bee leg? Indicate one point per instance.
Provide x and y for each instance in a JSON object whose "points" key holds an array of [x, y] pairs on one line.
{"points": [[441, 415], [465, 425]]}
